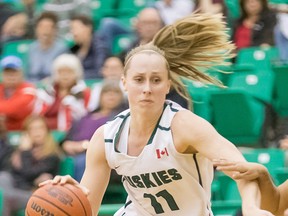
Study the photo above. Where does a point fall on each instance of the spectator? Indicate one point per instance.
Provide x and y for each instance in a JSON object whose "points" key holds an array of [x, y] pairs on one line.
{"points": [[13, 24], [65, 10], [147, 24], [88, 47], [17, 97], [112, 69], [211, 6], [35, 160], [30, 8], [66, 98], [171, 10], [111, 99], [5, 147], [255, 26], [281, 30], [45, 49]]}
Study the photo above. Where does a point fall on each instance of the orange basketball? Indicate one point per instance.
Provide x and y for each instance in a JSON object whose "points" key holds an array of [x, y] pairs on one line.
{"points": [[58, 200]]}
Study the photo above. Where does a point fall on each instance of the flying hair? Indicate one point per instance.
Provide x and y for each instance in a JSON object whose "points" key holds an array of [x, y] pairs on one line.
{"points": [[190, 46]]}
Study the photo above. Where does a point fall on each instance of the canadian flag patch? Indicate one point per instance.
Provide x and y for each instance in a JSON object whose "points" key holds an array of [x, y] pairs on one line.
{"points": [[161, 152]]}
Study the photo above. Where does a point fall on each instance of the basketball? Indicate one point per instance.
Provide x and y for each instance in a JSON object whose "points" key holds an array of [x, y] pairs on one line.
{"points": [[58, 200]]}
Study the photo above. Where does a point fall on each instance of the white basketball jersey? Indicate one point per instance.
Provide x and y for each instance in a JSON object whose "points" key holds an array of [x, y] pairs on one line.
{"points": [[160, 181]]}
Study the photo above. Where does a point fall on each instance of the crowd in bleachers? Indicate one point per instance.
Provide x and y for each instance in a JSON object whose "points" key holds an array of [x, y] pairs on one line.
{"points": [[61, 67]]}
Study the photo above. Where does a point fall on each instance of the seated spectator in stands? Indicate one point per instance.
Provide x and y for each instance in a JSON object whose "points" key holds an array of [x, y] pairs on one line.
{"points": [[45, 49], [112, 69], [65, 9], [5, 148], [281, 30], [111, 99], [17, 97], [255, 26], [66, 98], [210, 6], [13, 24], [171, 10], [30, 9], [36, 159], [88, 47], [147, 24]]}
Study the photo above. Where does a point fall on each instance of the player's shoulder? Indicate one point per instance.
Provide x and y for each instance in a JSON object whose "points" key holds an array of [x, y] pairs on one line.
{"points": [[191, 122]]}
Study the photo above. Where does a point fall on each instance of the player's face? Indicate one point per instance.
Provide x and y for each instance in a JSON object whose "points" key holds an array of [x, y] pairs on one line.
{"points": [[146, 81]]}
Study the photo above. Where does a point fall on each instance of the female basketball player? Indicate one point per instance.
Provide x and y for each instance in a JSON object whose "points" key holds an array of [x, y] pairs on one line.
{"points": [[273, 198], [165, 152]]}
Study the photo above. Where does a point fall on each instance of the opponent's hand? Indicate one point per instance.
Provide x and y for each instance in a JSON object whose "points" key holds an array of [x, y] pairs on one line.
{"points": [[67, 179], [241, 170], [258, 212]]}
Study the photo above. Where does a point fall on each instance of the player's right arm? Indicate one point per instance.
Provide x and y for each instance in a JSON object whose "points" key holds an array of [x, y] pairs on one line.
{"points": [[97, 172]]}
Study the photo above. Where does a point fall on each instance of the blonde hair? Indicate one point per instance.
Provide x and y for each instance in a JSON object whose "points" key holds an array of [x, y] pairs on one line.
{"points": [[50, 146], [190, 46], [70, 61]]}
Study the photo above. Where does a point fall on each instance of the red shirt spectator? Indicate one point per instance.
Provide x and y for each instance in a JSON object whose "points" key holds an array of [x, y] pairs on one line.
{"points": [[17, 97]]}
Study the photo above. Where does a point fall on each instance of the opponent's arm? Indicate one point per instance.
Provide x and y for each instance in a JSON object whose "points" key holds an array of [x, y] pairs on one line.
{"points": [[270, 194]]}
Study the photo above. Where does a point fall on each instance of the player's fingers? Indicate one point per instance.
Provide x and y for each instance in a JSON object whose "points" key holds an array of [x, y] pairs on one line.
{"points": [[67, 179], [45, 182], [245, 175], [56, 179]]}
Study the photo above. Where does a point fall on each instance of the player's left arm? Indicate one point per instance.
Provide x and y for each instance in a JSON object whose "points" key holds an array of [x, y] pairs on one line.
{"points": [[200, 136]]}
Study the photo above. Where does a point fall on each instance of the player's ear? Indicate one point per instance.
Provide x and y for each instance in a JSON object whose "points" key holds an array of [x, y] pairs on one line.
{"points": [[168, 86], [123, 80]]}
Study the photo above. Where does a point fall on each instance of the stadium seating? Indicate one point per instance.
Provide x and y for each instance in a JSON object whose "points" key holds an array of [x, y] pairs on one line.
{"points": [[18, 48], [280, 97], [259, 84], [272, 158], [102, 8], [261, 58], [66, 166], [121, 43], [130, 8], [237, 116], [281, 174], [200, 98], [109, 209]]}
